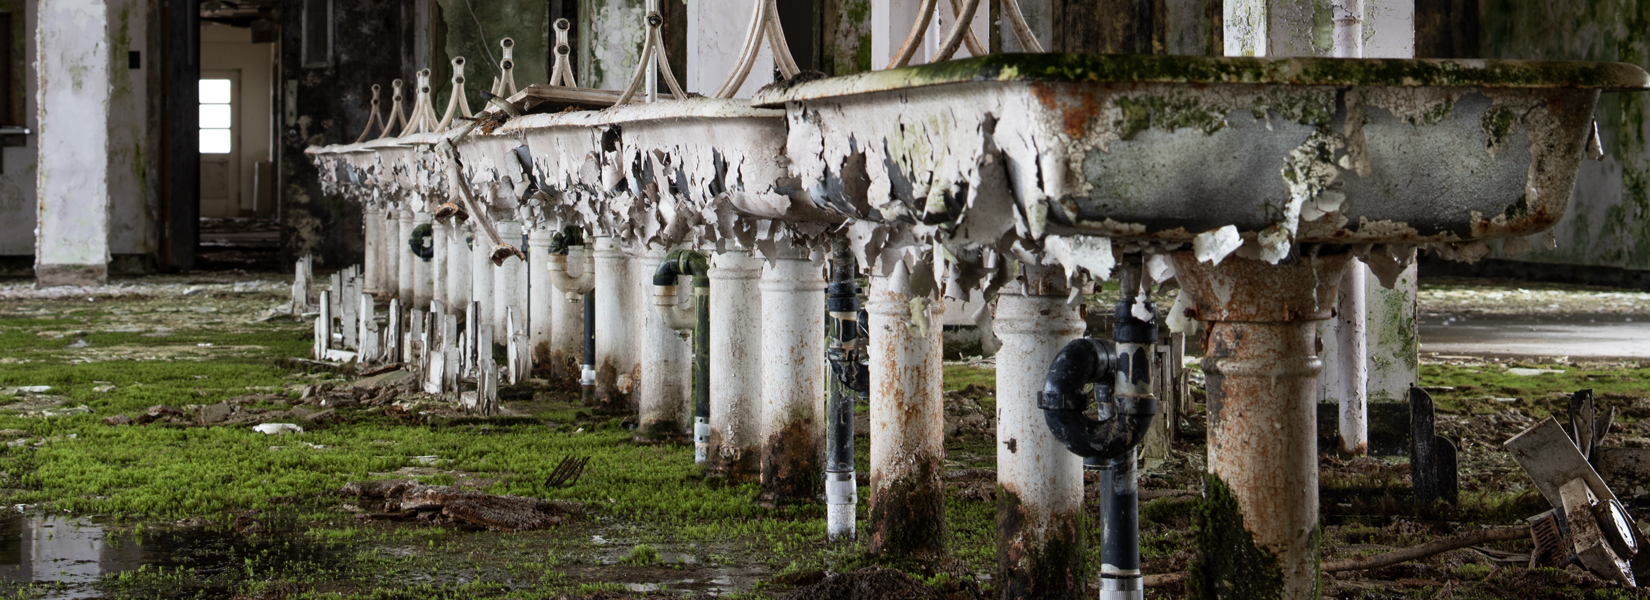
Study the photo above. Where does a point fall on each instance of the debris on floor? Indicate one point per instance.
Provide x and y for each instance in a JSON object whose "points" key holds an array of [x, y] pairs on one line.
{"points": [[404, 499]]}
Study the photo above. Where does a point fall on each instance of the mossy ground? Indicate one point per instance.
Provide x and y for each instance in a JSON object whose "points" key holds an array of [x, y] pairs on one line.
{"points": [[226, 512]]}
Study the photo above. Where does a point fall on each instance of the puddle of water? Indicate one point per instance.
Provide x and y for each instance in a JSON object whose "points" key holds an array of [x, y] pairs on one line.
{"points": [[68, 552]]}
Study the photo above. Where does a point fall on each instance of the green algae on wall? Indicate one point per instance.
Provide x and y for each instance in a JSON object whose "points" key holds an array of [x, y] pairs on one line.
{"points": [[848, 46]]}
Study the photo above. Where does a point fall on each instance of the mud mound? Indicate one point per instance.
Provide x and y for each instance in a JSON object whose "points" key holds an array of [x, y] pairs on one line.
{"points": [[867, 584]]}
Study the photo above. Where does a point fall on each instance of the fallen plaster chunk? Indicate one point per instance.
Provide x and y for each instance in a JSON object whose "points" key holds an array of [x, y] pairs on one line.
{"points": [[277, 428], [31, 389], [1214, 246], [1522, 372]]}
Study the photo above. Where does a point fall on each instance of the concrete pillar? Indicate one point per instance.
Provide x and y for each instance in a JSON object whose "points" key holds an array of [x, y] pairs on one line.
{"points": [[423, 270], [907, 419], [1261, 360], [372, 217], [617, 367], [509, 285], [458, 267], [735, 364], [481, 282], [72, 184], [1040, 482], [793, 377], [663, 393], [405, 284]]}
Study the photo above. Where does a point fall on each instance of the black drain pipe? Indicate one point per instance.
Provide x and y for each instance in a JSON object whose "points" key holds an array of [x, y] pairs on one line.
{"points": [[1121, 374], [676, 264], [850, 379]]}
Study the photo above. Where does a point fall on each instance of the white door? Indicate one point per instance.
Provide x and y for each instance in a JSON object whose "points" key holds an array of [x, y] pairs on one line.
{"points": [[220, 143]]}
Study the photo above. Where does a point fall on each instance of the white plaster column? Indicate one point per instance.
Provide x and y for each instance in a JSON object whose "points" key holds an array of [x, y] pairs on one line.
{"points": [[405, 284], [663, 393], [72, 183], [907, 502], [716, 34], [423, 275], [509, 286], [481, 283], [389, 252], [567, 322], [617, 369], [542, 298], [1040, 482], [372, 216], [438, 263], [458, 267], [736, 364], [793, 375]]}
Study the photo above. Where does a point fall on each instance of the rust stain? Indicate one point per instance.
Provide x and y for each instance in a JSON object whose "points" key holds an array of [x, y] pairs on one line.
{"points": [[793, 463]]}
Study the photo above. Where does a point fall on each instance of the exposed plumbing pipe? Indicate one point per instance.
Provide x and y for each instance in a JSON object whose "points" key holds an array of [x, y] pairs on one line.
{"points": [[793, 364], [1022, 32], [1349, 28], [1040, 484], [675, 265], [919, 28], [582, 287], [372, 120], [651, 62], [960, 29], [851, 378], [458, 105], [423, 249], [907, 419], [561, 72], [736, 364]]}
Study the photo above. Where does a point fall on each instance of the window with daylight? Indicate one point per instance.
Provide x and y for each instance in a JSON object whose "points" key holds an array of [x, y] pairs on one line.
{"points": [[217, 120]]}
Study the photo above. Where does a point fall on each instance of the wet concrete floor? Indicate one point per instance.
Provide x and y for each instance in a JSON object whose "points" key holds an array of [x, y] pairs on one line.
{"points": [[1612, 336]]}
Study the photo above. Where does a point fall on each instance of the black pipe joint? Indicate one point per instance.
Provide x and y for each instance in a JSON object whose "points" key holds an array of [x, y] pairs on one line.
{"points": [[422, 243], [683, 262], [1122, 421], [569, 237], [1132, 330], [842, 297]]}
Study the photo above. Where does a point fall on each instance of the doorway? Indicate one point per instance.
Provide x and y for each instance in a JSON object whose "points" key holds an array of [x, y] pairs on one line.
{"points": [[220, 144]]}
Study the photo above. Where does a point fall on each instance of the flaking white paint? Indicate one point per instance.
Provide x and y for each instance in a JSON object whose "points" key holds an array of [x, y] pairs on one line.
{"points": [[71, 38]]}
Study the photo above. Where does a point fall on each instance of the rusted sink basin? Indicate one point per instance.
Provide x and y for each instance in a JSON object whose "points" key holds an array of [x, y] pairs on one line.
{"points": [[1158, 148]]}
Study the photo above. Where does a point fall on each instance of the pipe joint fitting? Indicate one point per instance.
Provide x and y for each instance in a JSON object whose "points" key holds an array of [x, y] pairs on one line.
{"points": [[1124, 419]]}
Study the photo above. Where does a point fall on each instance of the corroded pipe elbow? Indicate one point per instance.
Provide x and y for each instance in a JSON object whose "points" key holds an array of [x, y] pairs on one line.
{"points": [[1123, 420], [572, 286], [676, 264]]}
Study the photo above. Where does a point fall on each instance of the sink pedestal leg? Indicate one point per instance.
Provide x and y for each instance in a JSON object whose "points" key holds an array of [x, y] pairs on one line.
{"points": [[616, 366], [793, 376], [406, 258], [458, 267], [372, 217], [907, 420], [663, 391], [1261, 360], [1040, 483], [735, 364], [423, 272]]}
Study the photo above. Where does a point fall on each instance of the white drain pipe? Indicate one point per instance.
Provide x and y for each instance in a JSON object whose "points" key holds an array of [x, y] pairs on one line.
{"points": [[736, 364], [793, 375], [907, 419], [1039, 481]]}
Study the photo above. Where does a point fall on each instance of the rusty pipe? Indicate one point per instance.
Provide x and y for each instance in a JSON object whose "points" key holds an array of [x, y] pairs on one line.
{"points": [[850, 377], [1261, 361]]}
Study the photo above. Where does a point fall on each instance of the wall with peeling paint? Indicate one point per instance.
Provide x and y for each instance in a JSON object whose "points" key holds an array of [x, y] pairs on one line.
{"points": [[374, 42], [134, 212], [17, 183], [1608, 223], [616, 32]]}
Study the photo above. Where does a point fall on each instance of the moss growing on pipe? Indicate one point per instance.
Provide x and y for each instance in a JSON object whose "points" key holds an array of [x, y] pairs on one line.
{"points": [[1229, 564]]}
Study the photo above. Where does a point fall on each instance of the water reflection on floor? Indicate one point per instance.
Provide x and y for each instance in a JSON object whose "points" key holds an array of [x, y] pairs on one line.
{"points": [[65, 553]]}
